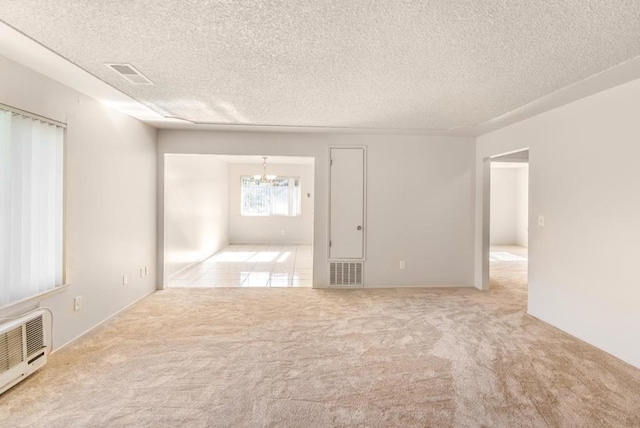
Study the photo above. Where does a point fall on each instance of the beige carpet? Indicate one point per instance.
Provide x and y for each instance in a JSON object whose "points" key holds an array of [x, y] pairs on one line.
{"points": [[307, 358]]}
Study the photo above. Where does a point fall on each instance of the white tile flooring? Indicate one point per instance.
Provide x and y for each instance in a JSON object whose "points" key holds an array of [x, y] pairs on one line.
{"points": [[251, 266], [508, 253]]}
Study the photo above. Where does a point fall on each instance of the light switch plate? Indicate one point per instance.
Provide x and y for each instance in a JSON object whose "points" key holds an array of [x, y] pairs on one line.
{"points": [[541, 220]]}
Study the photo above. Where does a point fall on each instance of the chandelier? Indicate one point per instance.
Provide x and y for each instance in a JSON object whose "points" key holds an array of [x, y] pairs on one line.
{"points": [[264, 178]]}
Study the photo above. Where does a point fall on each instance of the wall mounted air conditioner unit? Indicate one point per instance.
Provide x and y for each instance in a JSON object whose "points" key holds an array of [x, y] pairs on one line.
{"points": [[25, 343]]}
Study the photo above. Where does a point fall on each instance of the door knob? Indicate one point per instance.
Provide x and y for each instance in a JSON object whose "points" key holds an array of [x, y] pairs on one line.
{"points": [[359, 227]]}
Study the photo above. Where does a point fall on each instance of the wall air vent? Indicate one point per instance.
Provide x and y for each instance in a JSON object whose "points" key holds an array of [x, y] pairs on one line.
{"points": [[345, 273], [132, 75]]}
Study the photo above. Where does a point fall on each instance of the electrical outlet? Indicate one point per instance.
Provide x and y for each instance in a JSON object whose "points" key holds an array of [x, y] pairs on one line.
{"points": [[125, 279], [146, 270], [541, 220], [403, 264], [77, 303]]}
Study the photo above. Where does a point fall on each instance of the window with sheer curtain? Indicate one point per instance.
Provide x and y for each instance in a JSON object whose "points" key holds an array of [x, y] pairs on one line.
{"points": [[31, 205], [277, 197]]}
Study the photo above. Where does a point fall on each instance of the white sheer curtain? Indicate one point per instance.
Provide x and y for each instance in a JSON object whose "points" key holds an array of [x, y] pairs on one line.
{"points": [[31, 206], [277, 197]]}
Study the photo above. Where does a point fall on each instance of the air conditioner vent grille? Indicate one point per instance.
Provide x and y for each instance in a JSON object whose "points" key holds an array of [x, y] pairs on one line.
{"points": [[123, 69], [35, 335], [128, 72], [345, 273], [24, 344], [11, 352]]}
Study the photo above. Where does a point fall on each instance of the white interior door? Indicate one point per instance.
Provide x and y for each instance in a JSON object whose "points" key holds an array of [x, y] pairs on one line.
{"points": [[347, 203]]}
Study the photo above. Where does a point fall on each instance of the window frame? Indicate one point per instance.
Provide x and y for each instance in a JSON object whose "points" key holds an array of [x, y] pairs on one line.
{"points": [[291, 200], [64, 284]]}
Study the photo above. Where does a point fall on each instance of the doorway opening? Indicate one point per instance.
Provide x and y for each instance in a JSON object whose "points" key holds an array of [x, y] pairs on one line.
{"points": [[509, 220], [238, 221]]}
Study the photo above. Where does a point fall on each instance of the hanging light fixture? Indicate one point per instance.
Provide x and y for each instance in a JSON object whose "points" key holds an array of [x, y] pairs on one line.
{"points": [[264, 178]]}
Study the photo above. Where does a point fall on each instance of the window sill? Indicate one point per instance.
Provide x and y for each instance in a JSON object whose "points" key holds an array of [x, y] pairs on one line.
{"points": [[36, 297]]}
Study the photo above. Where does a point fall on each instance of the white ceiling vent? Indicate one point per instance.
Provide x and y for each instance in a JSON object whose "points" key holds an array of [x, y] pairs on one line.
{"points": [[130, 73], [345, 273]]}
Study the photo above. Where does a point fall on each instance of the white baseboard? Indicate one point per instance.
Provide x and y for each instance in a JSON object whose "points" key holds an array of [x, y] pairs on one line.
{"points": [[102, 322]]}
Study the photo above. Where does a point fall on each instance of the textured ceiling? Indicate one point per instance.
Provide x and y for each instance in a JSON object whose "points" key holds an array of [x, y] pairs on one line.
{"points": [[426, 65]]}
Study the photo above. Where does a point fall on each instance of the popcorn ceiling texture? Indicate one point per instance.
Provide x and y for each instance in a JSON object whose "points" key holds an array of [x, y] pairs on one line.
{"points": [[383, 64]]}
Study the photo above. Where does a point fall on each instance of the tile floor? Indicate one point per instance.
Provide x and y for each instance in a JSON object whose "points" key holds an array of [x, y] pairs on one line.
{"points": [[508, 253], [251, 266]]}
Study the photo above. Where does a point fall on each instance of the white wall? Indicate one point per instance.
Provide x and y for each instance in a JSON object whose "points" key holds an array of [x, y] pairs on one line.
{"points": [[267, 230], [419, 198], [504, 207], [110, 200], [509, 205], [522, 221], [196, 209], [584, 178]]}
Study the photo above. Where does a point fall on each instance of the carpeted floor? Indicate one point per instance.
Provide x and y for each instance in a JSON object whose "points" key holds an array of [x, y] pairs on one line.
{"points": [[302, 357]]}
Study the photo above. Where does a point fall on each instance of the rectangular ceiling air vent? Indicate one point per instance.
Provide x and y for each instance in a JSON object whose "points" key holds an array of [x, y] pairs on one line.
{"points": [[345, 273], [130, 73]]}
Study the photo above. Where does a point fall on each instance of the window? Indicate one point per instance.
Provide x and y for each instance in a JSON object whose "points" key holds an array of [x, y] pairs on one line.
{"points": [[277, 197], [31, 208]]}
